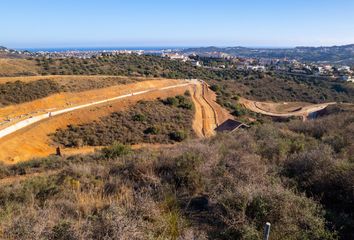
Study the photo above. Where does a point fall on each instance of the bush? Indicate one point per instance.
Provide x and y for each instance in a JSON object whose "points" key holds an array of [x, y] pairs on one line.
{"points": [[147, 121], [182, 171], [20, 92], [139, 118], [63, 231], [180, 102], [187, 93], [172, 101], [151, 130], [178, 136], [215, 88], [116, 150], [239, 110], [218, 188]]}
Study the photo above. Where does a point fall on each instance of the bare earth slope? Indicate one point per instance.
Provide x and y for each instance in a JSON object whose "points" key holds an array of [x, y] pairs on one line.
{"points": [[32, 141], [283, 109]]}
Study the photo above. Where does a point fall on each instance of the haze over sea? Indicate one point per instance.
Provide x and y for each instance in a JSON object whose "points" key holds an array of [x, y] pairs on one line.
{"points": [[64, 49]]}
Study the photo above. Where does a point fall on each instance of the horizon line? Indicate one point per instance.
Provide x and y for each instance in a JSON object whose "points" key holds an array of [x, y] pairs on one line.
{"points": [[136, 47]]}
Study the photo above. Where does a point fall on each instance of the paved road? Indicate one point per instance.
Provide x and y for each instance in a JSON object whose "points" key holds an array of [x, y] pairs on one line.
{"points": [[27, 122]]}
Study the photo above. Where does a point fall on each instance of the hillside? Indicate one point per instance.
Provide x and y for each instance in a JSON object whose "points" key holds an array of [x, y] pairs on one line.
{"points": [[86, 107], [140, 159], [17, 67], [10, 53], [334, 55], [292, 174], [256, 86]]}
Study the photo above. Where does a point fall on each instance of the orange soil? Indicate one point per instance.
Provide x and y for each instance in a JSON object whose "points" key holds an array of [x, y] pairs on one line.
{"points": [[90, 149], [33, 141], [198, 123], [285, 109], [221, 113], [208, 113], [63, 100]]}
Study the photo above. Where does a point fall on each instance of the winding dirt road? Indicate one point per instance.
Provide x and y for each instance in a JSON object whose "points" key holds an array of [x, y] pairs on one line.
{"points": [[300, 111], [29, 138]]}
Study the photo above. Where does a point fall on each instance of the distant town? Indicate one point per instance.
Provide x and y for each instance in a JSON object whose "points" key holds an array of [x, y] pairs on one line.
{"points": [[215, 60]]}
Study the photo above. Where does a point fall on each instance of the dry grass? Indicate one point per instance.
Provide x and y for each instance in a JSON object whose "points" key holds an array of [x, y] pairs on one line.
{"points": [[147, 121], [17, 67], [212, 189]]}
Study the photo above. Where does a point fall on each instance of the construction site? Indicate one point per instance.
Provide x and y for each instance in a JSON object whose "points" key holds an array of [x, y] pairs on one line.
{"points": [[25, 127]]}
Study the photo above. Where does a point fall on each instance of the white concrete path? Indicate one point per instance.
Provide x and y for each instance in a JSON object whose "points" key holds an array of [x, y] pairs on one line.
{"points": [[27, 122]]}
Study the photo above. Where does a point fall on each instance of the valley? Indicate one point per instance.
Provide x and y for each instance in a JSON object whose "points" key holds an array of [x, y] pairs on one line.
{"points": [[204, 150]]}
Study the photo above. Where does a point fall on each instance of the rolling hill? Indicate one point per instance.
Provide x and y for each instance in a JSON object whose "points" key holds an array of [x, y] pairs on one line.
{"points": [[334, 55]]}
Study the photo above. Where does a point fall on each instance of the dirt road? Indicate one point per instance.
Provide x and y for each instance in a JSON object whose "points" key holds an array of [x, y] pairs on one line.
{"points": [[273, 109], [31, 120], [30, 139], [208, 114]]}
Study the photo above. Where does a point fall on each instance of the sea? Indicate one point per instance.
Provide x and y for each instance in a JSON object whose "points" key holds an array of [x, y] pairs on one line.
{"points": [[65, 49]]}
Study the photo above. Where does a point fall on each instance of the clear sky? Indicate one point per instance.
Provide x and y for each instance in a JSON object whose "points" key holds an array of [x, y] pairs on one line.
{"points": [[100, 23]]}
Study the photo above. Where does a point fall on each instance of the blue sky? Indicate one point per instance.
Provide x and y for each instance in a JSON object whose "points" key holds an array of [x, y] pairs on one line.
{"points": [[93, 23]]}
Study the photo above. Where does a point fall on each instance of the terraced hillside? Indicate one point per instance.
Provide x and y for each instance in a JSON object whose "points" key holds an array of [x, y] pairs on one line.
{"points": [[32, 123]]}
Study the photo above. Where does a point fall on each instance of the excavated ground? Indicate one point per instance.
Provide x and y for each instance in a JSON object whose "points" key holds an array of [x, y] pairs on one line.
{"points": [[33, 141], [285, 109]]}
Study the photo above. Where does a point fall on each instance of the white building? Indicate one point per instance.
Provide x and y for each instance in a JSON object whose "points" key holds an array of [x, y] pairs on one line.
{"points": [[257, 68], [347, 78], [175, 56], [196, 63], [344, 69]]}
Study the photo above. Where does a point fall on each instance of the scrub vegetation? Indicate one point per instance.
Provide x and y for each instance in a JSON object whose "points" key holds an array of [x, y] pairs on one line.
{"points": [[296, 175]]}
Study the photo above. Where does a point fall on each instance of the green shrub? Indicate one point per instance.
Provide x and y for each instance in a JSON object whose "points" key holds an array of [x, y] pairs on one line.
{"points": [[63, 231], [172, 101], [179, 101], [4, 170], [187, 93], [151, 130], [116, 150], [178, 136], [139, 118], [20, 92], [239, 110], [147, 121], [182, 171], [215, 88]]}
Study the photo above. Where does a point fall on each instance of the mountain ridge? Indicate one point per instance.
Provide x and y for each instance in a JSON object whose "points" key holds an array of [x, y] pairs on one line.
{"points": [[333, 54]]}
